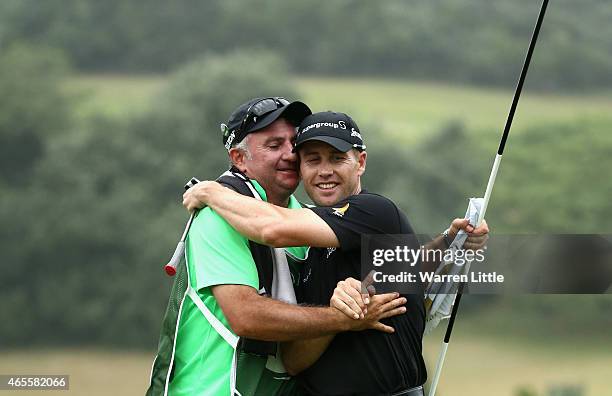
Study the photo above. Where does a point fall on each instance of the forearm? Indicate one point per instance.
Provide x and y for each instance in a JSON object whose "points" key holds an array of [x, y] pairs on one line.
{"points": [[272, 320], [298, 355], [250, 217], [263, 222]]}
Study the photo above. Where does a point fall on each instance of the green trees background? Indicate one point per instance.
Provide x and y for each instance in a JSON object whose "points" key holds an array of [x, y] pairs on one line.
{"points": [[90, 206], [90, 203], [449, 40]]}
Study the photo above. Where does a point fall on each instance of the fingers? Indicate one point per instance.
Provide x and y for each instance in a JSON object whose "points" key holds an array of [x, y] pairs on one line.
{"points": [[482, 229], [382, 299], [393, 308], [190, 203], [354, 283], [382, 327], [470, 246], [458, 224], [384, 306], [477, 239], [476, 242], [464, 224], [342, 307], [395, 303], [349, 297], [393, 312], [186, 202], [191, 200], [353, 287]]}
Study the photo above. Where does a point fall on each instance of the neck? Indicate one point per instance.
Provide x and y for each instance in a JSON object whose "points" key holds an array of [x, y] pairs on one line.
{"points": [[278, 200]]}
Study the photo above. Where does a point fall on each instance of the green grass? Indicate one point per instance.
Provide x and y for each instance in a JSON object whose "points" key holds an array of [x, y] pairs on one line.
{"points": [[93, 372], [495, 366], [114, 95], [404, 109], [476, 365]]}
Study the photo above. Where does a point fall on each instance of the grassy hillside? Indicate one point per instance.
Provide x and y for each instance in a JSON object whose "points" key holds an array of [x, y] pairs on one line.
{"points": [[496, 366], [400, 108], [406, 109], [475, 366], [113, 94]]}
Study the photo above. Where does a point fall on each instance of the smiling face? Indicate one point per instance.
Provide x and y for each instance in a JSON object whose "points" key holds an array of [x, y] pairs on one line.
{"points": [[330, 175], [271, 161]]}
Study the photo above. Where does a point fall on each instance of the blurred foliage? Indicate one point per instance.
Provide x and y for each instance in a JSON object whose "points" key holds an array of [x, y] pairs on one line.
{"points": [[541, 319], [450, 40], [94, 207], [566, 390], [423, 178], [551, 173], [525, 391], [554, 180], [82, 260], [555, 390], [32, 107]]}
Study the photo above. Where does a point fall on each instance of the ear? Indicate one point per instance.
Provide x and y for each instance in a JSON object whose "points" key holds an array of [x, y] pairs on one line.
{"points": [[361, 159], [237, 157]]}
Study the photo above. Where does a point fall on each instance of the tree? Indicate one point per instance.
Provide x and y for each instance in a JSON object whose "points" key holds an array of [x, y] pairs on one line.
{"points": [[33, 108], [101, 212]]}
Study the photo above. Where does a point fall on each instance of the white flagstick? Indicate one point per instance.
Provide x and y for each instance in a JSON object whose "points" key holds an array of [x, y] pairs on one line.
{"points": [[179, 252], [489, 189], [449, 329], [172, 265]]}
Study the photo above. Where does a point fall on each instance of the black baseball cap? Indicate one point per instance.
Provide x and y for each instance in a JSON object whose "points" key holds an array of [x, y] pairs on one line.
{"points": [[336, 129], [257, 114]]}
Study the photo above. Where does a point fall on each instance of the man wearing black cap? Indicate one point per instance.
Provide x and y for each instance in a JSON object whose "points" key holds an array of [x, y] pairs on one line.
{"points": [[332, 160], [227, 276]]}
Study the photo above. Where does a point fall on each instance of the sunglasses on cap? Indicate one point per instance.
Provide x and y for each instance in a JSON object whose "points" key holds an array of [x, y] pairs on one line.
{"points": [[255, 110], [260, 108]]}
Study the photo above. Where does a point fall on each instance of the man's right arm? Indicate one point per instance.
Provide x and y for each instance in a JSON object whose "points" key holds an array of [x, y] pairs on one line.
{"points": [[253, 316], [220, 259], [261, 221]]}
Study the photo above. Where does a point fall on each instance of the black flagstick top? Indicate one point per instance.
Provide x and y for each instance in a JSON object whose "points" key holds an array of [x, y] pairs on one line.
{"points": [[519, 87], [451, 322]]}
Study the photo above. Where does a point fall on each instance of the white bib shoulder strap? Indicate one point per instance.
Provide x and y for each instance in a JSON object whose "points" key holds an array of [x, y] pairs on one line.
{"points": [[223, 331]]}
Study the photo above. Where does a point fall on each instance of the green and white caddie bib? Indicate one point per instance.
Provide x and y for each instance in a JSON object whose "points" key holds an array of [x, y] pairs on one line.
{"points": [[199, 355]]}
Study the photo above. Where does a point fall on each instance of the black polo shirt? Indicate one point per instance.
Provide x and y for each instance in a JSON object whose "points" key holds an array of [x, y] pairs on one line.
{"points": [[367, 362]]}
